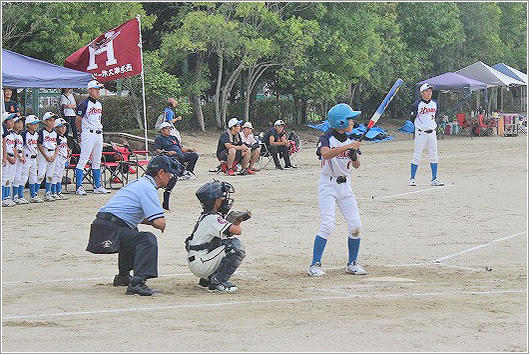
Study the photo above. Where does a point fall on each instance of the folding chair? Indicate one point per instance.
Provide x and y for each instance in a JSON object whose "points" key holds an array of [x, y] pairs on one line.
{"points": [[265, 157], [464, 125], [294, 148], [139, 159], [481, 128]]}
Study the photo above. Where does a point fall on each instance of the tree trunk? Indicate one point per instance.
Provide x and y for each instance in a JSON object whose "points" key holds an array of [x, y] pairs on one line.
{"points": [[303, 112], [247, 95], [137, 105], [254, 74], [218, 116], [225, 91], [195, 100]]}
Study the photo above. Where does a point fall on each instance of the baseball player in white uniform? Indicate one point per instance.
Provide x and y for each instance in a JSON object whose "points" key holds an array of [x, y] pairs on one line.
{"points": [[214, 254], [60, 162], [424, 111], [47, 146], [88, 121], [18, 187], [29, 170], [8, 170], [335, 187]]}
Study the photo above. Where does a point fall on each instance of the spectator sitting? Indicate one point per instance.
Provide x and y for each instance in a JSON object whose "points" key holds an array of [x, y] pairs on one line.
{"points": [[169, 145], [231, 148], [278, 144], [249, 140], [170, 117]]}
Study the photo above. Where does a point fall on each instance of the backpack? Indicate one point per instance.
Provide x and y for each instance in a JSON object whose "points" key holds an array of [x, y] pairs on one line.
{"points": [[159, 121]]}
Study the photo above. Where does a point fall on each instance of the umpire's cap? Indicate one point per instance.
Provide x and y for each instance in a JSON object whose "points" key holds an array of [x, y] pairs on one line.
{"points": [[163, 163]]}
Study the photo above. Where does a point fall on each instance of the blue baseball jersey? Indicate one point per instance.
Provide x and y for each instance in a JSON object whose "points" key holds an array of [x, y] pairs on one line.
{"points": [[136, 201]]}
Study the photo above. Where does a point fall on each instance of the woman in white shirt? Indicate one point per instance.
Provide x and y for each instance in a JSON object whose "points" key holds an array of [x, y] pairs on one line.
{"points": [[68, 105]]}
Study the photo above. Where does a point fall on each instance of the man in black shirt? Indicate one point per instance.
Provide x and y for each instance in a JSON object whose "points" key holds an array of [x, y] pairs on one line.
{"points": [[10, 106], [231, 148], [278, 144]]}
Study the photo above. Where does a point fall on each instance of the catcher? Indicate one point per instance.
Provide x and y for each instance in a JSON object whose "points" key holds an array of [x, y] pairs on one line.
{"points": [[213, 253]]}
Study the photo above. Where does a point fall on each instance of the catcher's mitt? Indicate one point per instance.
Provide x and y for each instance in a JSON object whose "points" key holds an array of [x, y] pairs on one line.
{"points": [[236, 216]]}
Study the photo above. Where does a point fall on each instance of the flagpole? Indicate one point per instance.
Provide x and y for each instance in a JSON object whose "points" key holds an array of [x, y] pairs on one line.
{"points": [[143, 87]]}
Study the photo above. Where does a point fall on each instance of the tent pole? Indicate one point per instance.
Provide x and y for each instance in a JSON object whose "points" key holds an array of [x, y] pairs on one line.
{"points": [[501, 91], [143, 87]]}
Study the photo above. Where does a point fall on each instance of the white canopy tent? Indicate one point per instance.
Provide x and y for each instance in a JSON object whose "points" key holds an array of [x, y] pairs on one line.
{"points": [[492, 77]]}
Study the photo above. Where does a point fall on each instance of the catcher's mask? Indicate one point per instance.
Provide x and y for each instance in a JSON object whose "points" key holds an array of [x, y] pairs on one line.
{"points": [[209, 192]]}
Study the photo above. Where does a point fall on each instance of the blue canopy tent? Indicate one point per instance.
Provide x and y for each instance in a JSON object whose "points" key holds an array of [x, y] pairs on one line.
{"points": [[21, 71], [518, 75]]}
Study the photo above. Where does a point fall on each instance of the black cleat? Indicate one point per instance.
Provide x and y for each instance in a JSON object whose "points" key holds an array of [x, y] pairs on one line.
{"points": [[122, 280], [140, 289], [203, 283]]}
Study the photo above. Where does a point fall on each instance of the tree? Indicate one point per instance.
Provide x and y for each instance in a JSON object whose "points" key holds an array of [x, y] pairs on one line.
{"points": [[513, 33]]}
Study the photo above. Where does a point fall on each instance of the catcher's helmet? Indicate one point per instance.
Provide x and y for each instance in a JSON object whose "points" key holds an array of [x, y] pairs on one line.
{"points": [[339, 114], [209, 192]]}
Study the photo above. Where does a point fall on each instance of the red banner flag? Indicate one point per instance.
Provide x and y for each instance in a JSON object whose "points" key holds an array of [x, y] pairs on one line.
{"points": [[113, 55]]}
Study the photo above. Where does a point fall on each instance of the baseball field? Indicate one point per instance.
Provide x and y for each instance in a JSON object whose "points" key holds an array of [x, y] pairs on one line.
{"points": [[447, 266]]}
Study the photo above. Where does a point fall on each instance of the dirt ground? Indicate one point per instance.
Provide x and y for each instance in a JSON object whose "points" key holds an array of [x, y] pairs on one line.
{"points": [[447, 266]]}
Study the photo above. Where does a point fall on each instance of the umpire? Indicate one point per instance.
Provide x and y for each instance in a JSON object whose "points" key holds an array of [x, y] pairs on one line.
{"points": [[115, 229]]}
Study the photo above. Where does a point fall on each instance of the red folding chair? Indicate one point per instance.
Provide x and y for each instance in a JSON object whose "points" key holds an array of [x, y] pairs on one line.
{"points": [[464, 125]]}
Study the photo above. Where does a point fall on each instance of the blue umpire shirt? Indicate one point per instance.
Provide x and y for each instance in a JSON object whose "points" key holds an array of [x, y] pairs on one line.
{"points": [[138, 200]]}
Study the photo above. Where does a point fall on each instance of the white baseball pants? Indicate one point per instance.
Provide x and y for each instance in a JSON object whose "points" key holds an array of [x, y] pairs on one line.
{"points": [[206, 264], [91, 144], [29, 171], [60, 166], [8, 174], [45, 168], [331, 193], [17, 177], [421, 140]]}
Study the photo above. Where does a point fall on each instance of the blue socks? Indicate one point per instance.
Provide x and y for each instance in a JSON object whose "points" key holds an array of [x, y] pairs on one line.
{"points": [[21, 191], [434, 170], [97, 177], [78, 177], [36, 187], [413, 170], [319, 246], [7, 192], [353, 244], [3, 192], [48, 187], [54, 188], [59, 187]]}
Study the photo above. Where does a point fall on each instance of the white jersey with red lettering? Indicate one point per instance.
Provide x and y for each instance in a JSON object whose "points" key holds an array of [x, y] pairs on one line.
{"points": [[62, 145], [90, 111], [340, 165], [30, 142], [424, 113]]}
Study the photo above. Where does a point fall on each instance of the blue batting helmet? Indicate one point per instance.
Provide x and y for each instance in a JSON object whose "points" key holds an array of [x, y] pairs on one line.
{"points": [[339, 114]]}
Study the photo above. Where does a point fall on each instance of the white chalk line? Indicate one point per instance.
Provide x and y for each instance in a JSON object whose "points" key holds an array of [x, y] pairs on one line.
{"points": [[401, 194], [253, 302], [438, 261], [478, 247]]}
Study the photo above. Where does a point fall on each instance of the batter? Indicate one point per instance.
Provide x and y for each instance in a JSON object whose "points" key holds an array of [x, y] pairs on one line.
{"points": [[335, 187]]}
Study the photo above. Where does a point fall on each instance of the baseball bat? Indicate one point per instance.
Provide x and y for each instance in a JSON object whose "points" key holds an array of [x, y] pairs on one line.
{"points": [[380, 110]]}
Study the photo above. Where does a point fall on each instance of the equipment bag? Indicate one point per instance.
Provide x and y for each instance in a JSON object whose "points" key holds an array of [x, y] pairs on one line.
{"points": [[104, 237]]}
